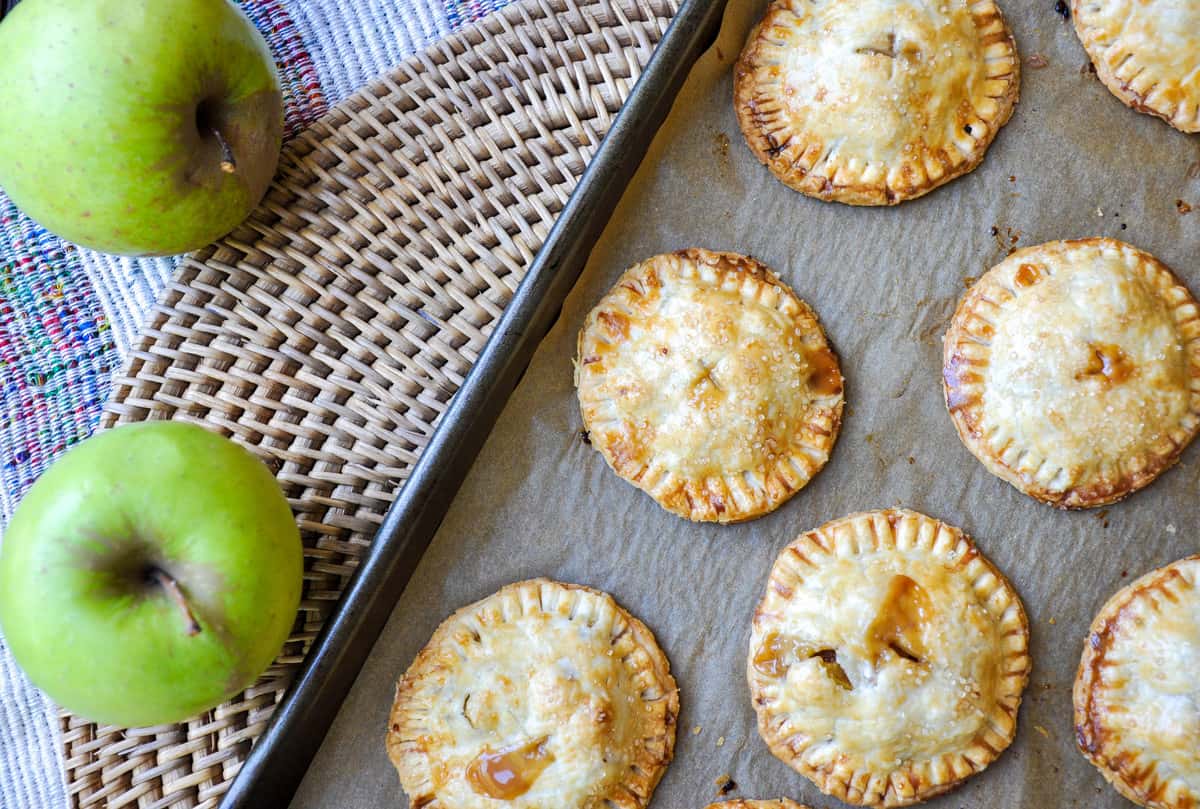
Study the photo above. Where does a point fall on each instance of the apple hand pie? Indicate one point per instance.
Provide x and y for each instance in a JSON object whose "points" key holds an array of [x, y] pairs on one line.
{"points": [[887, 658], [704, 381], [873, 102], [1147, 52], [543, 694], [1072, 370], [1137, 695]]}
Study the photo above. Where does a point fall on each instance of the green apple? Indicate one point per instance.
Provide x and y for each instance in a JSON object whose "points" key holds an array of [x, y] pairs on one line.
{"points": [[151, 573], [141, 127]]}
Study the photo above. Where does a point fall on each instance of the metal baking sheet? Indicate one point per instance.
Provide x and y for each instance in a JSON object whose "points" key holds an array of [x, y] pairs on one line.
{"points": [[1073, 162], [281, 756]]}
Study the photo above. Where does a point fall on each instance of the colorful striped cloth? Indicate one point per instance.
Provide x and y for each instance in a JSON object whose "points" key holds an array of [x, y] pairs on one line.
{"points": [[68, 316]]}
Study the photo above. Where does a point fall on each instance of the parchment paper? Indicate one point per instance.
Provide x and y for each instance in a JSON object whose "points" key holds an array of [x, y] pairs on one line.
{"points": [[1073, 162]]}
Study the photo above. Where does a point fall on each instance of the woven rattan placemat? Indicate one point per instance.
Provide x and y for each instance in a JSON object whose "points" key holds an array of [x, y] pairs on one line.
{"points": [[330, 331]]}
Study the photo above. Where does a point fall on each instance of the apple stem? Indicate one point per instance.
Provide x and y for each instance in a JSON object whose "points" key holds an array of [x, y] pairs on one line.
{"points": [[228, 164], [166, 581]]}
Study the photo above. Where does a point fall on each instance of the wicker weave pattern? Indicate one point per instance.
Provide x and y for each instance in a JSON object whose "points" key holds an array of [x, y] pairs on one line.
{"points": [[330, 331]]}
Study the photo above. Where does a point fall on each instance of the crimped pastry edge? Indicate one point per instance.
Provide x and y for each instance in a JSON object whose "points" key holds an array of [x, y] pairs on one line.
{"points": [[657, 746], [952, 545], [1089, 737], [966, 416], [781, 161], [692, 498], [1106, 72]]}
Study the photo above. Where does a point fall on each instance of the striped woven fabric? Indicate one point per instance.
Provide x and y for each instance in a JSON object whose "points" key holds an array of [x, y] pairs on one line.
{"points": [[68, 315]]}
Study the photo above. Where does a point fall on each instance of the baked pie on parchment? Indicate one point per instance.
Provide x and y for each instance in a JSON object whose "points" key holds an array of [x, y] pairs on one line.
{"points": [[742, 803], [543, 694], [873, 102], [1137, 696], [1072, 370], [1147, 52], [705, 382], [887, 658]]}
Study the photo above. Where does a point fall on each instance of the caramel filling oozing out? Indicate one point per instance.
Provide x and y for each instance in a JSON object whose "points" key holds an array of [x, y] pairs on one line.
{"points": [[895, 632], [778, 652], [1027, 275], [704, 387], [509, 772], [887, 47], [897, 627], [1108, 363], [824, 377]]}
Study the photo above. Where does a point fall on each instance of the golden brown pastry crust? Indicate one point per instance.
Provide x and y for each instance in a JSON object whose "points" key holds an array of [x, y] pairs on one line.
{"points": [[1137, 702], [742, 803], [704, 381], [1145, 53], [1072, 370], [559, 666], [873, 102], [887, 658]]}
